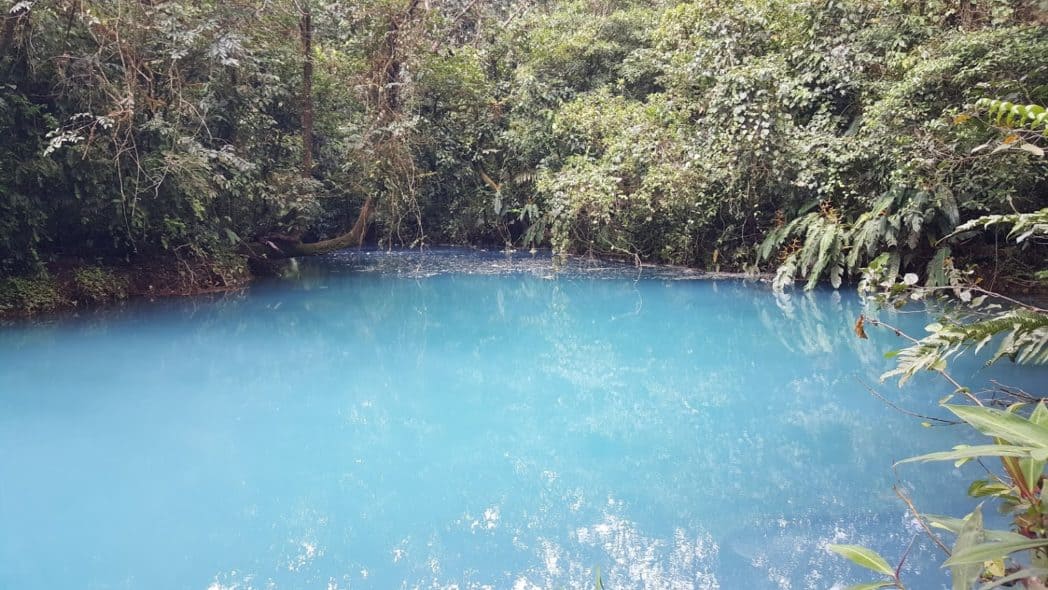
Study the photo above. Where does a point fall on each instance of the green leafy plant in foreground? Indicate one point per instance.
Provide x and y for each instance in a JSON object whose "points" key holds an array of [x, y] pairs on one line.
{"points": [[995, 557], [1018, 431]]}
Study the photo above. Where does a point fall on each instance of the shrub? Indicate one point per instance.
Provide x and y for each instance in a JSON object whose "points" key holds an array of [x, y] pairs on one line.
{"points": [[29, 294], [92, 284]]}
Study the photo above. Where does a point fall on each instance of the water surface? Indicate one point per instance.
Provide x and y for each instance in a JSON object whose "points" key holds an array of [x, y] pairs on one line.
{"points": [[463, 420]]}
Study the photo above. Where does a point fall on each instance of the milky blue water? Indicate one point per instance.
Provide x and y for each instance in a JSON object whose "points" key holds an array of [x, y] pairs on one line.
{"points": [[462, 420]]}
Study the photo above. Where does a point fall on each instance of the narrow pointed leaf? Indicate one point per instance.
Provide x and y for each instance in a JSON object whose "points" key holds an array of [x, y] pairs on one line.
{"points": [[970, 535], [1039, 415], [986, 551], [954, 525], [867, 558], [973, 453]]}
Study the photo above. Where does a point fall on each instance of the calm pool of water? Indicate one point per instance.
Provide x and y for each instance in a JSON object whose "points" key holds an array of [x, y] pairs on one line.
{"points": [[461, 420]]}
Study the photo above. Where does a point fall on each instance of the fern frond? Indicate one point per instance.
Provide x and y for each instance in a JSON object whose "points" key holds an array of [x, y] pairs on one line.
{"points": [[1024, 341], [1024, 225], [829, 251]]}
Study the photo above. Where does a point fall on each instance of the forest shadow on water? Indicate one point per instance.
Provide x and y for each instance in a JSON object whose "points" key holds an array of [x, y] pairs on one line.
{"points": [[466, 419]]}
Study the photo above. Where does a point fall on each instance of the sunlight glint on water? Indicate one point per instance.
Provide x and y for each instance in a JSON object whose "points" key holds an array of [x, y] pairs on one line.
{"points": [[462, 420]]}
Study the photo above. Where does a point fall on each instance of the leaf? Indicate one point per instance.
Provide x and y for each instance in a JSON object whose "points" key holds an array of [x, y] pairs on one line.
{"points": [[599, 584], [973, 452], [860, 327], [1031, 148], [994, 567], [977, 554], [970, 535], [954, 525], [1000, 148], [1019, 575], [937, 268], [980, 148], [1032, 468], [864, 557], [981, 488], [871, 586], [1039, 415], [1009, 427], [836, 272]]}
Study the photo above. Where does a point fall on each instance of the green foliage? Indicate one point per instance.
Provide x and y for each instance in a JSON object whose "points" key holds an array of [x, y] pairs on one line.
{"points": [[1024, 340], [811, 137], [759, 107], [1003, 112], [863, 557], [1024, 225], [29, 294], [1022, 445], [1020, 330], [177, 137], [870, 560], [1019, 435], [92, 284]]}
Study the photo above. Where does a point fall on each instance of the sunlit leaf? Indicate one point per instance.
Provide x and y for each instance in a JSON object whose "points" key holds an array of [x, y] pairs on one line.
{"points": [[1004, 425], [860, 328], [977, 554], [971, 452], [970, 535], [864, 557]]}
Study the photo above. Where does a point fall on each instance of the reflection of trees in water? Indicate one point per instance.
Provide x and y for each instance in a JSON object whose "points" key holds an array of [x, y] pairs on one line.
{"points": [[816, 323]]}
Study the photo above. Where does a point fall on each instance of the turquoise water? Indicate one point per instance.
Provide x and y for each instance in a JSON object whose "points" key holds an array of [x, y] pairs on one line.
{"points": [[460, 420]]}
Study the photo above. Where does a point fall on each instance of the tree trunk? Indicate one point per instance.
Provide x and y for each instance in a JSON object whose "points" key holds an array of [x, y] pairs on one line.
{"points": [[284, 246], [387, 97], [7, 33], [306, 30], [352, 238]]}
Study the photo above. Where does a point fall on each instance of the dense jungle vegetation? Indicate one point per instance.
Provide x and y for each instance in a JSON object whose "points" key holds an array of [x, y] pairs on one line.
{"points": [[761, 134]]}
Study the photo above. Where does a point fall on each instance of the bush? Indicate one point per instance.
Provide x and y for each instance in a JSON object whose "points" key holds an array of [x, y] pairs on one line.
{"points": [[92, 284], [29, 295]]}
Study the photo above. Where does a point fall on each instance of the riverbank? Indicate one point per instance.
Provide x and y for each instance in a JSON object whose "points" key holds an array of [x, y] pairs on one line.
{"points": [[71, 284]]}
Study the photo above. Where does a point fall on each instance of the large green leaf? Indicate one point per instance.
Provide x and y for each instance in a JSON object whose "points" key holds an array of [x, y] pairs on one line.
{"points": [[954, 525], [977, 554], [1032, 470], [970, 535], [871, 586], [964, 452], [867, 558], [1010, 427]]}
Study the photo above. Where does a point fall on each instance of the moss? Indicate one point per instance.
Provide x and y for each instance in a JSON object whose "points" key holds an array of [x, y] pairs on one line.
{"points": [[92, 284], [29, 295]]}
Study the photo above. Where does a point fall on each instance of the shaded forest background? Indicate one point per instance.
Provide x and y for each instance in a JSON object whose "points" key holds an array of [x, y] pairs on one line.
{"points": [[812, 137]]}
